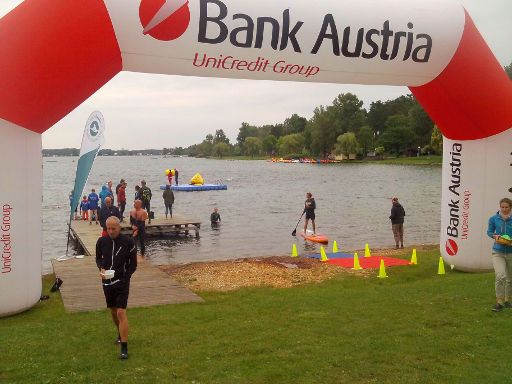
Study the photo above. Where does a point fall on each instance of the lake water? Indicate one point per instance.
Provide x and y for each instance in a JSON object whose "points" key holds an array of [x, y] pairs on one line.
{"points": [[261, 206]]}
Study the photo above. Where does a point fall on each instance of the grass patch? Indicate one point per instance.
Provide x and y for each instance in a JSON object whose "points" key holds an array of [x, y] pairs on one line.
{"points": [[423, 160], [414, 327]]}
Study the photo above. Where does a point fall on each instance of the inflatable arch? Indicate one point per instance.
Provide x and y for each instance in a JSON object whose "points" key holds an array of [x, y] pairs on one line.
{"points": [[54, 54]]}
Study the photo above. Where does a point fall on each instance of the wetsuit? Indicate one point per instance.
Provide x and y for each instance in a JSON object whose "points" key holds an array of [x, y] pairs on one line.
{"points": [[141, 235], [215, 218], [119, 254], [106, 212]]}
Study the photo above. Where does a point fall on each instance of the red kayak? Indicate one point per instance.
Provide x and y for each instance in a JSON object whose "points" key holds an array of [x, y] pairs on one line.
{"points": [[315, 238]]}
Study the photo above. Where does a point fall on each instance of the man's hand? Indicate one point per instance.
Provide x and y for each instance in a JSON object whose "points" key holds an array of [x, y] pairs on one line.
{"points": [[102, 272]]}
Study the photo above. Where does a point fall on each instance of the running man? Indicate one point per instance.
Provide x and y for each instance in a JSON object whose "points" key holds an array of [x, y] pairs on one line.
{"points": [[117, 252], [309, 210]]}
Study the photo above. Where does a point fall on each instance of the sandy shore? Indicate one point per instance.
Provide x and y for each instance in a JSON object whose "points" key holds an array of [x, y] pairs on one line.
{"points": [[272, 271]]}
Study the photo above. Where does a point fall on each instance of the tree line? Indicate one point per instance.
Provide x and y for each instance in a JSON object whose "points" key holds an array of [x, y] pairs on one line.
{"points": [[396, 127]]}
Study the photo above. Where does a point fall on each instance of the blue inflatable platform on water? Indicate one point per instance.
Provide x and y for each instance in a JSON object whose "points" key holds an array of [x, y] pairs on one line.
{"points": [[192, 188]]}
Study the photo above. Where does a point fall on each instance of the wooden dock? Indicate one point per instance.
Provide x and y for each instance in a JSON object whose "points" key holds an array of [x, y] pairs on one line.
{"points": [[81, 289], [87, 235]]}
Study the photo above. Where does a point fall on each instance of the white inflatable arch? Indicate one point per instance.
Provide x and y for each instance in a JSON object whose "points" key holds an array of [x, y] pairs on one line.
{"points": [[54, 54]]}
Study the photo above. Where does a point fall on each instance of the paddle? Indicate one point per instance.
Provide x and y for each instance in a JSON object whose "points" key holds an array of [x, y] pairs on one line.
{"points": [[295, 230]]}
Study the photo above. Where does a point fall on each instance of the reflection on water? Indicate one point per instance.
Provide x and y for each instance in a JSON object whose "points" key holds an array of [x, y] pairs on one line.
{"points": [[261, 206]]}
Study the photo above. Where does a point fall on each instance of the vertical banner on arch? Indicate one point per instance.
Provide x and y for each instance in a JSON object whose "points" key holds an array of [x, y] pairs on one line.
{"points": [[92, 142]]}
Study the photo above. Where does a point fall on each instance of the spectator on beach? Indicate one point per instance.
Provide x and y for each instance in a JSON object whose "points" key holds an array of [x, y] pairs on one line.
{"points": [[84, 208], [109, 187], [397, 222], [106, 211], [117, 252], [146, 195], [119, 186], [104, 194], [93, 206], [121, 199], [500, 229], [137, 195], [138, 217], [168, 196], [309, 210], [215, 216], [176, 174]]}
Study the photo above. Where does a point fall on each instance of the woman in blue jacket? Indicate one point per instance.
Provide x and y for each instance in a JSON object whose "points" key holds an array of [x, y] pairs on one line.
{"points": [[500, 229]]}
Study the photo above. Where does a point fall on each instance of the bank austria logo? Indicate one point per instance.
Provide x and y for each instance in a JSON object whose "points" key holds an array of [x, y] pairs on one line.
{"points": [[454, 206], [164, 20]]}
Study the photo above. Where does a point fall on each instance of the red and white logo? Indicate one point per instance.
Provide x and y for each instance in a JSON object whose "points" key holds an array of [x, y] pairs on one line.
{"points": [[164, 19], [451, 247]]}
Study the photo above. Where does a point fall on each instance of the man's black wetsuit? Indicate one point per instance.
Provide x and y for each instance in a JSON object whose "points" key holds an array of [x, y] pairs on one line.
{"points": [[119, 254], [141, 236]]}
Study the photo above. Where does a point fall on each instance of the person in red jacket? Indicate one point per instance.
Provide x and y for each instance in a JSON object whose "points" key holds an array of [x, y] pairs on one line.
{"points": [[121, 199]]}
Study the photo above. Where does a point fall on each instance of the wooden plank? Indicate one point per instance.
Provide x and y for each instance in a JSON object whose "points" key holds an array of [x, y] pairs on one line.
{"points": [[81, 288], [87, 234]]}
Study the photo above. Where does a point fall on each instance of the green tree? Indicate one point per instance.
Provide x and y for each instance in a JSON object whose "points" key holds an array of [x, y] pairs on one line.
{"points": [[322, 133], [291, 144], [436, 141], [347, 114], [508, 69], [246, 131], [346, 144], [421, 124], [221, 149], [269, 144], [220, 137], [277, 130], [252, 146], [294, 124], [365, 139], [397, 136]]}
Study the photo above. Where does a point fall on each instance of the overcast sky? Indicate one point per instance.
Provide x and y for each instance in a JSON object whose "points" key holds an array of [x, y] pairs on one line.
{"points": [[155, 111]]}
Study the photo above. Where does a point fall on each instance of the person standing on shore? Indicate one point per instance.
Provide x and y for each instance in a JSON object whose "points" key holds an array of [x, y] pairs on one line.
{"points": [[138, 217], [84, 208], [146, 195], [168, 196], [106, 211], [309, 210], [109, 187], [93, 206], [117, 252], [121, 199], [397, 222], [500, 229], [104, 194]]}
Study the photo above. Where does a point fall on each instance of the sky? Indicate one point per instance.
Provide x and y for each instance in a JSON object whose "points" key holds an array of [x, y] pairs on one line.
{"points": [[154, 111]]}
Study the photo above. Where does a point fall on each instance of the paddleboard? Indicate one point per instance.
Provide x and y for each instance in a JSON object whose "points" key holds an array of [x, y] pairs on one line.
{"points": [[315, 238]]}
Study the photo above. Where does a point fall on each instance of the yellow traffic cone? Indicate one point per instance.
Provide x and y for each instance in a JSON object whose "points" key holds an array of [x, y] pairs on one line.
{"points": [[335, 247], [440, 269], [382, 270], [414, 260], [357, 266], [367, 252], [323, 256], [294, 250]]}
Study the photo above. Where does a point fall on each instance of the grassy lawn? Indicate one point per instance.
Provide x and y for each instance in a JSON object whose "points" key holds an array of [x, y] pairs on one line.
{"points": [[422, 160], [414, 327]]}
